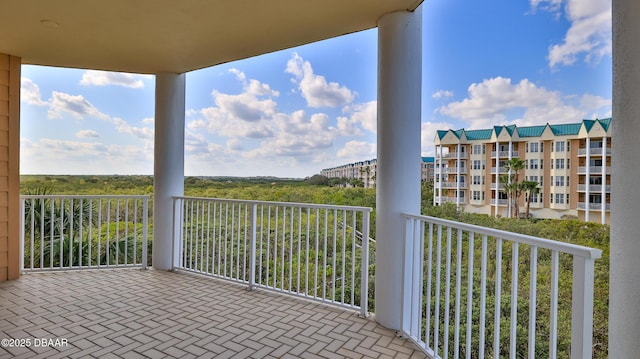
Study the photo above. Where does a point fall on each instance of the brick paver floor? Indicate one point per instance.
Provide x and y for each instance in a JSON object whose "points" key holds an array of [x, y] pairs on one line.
{"points": [[133, 313]]}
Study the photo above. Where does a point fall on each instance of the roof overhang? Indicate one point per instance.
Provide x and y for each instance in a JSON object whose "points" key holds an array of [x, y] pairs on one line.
{"points": [[152, 36]]}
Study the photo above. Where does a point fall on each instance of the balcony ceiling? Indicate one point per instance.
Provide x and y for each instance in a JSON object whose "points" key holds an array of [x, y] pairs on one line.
{"points": [[150, 36]]}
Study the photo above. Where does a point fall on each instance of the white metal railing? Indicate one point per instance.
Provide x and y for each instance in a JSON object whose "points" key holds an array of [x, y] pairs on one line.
{"points": [[500, 201], [501, 169], [455, 170], [450, 300], [497, 185], [595, 170], [593, 188], [463, 184], [593, 151], [307, 250], [83, 232], [463, 155], [502, 154], [596, 206], [462, 200]]}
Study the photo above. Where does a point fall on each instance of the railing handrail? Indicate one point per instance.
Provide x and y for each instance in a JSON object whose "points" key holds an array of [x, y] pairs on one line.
{"points": [[292, 204], [577, 250], [81, 196]]}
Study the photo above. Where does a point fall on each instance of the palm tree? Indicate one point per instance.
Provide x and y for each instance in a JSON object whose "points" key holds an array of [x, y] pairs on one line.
{"points": [[531, 188], [513, 185]]}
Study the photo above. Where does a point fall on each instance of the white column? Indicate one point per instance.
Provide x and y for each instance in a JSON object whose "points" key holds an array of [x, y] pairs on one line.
{"points": [[603, 209], [624, 292], [435, 174], [399, 117], [511, 200], [458, 152], [441, 177], [497, 182], [168, 163], [587, 192]]}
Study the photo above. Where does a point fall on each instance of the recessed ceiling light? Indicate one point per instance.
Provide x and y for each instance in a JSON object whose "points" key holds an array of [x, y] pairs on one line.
{"points": [[50, 24]]}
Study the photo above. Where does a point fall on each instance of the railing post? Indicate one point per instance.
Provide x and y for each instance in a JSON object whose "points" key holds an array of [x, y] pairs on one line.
{"points": [[145, 231], [364, 276], [177, 233], [252, 247], [22, 205], [582, 308], [407, 264]]}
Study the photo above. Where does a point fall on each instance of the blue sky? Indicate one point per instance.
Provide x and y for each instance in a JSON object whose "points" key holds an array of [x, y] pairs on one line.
{"points": [[293, 112]]}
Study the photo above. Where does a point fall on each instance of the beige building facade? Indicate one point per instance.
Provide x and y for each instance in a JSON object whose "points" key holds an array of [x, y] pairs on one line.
{"points": [[367, 170], [570, 162]]}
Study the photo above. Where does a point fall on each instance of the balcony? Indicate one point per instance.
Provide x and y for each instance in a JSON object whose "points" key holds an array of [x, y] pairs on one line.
{"points": [[593, 151], [504, 154], [453, 155], [306, 268], [593, 169], [500, 202], [451, 200], [453, 185], [594, 206], [501, 169], [593, 188], [497, 185], [454, 170]]}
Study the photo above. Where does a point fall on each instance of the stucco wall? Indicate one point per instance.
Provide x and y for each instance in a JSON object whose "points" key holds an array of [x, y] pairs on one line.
{"points": [[9, 167]]}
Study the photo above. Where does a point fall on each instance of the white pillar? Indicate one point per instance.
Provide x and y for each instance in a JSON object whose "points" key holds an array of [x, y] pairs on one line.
{"points": [[624, 292], [458, 153], [399, 117], [436, 161], [603, 209], [587, 192], [440, 180], [168, 163], [511, 200]]}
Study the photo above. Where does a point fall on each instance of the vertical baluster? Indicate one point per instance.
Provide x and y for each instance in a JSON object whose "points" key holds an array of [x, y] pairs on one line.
{"points": [[335, 250], [353, 257], [483, 298], [456, 336], [306, 248], [553, 315], [498, 294], [299, 243], [436, 329], [533, 274], [514, 300], [117, 241], [470, 293], [99, 231], [427, 332], [447, 295]]}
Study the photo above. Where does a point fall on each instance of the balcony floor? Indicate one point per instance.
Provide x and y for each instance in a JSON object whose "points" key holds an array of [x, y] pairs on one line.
{"points": [[133, 313]]}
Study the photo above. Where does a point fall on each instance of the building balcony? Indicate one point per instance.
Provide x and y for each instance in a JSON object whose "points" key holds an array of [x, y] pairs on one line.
{"points": [[450, 200], [453, 185], [453, 170], [453, 155], [593, 169], [307, 268], [594, 206], [497, 185], [504, 154], [501, 169], [593, 188], [593, 151], [499, 202]]}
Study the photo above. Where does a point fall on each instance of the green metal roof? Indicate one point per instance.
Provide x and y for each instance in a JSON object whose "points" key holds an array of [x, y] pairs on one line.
{"points": [[458, 133], [442, 133], [588, 124], [478, 134], [531, 131], [605, 122], [510, 129], [566, 130], [498, 129], [427, 159]]}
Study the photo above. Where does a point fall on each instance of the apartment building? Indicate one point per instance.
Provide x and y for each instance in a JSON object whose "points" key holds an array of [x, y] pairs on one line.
{"points": [[366, 171], [571, 163]]}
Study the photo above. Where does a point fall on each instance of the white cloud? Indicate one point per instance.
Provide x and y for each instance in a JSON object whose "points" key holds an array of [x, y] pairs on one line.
{"points": [[44, 156], [141, 132], [365, 114], [149, 120], [428, 134], [358, 150], [76, 105], [589, 35], [441, 94], [105, 78], [315, 88], [87, 134], [30, 92], [493, 102]]}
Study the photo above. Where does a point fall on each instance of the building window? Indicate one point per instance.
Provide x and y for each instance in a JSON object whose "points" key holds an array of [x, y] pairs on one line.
{"points": [[533, 147], [476, 195], [551, 197], [567, 202], [526, 164], [551, 182], [541, 146], [559, 198], [484, 163], [526, 147], [568, 163], [483, 180], [559, 146], [559, 181], [476, 164], [484, 149], [476, 179], [551, 146], [559, 163], [541, 164], [534, 164], [568, 146]]}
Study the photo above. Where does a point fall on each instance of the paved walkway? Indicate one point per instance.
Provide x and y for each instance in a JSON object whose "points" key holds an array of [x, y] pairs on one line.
{"points": [[132, 313]]}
